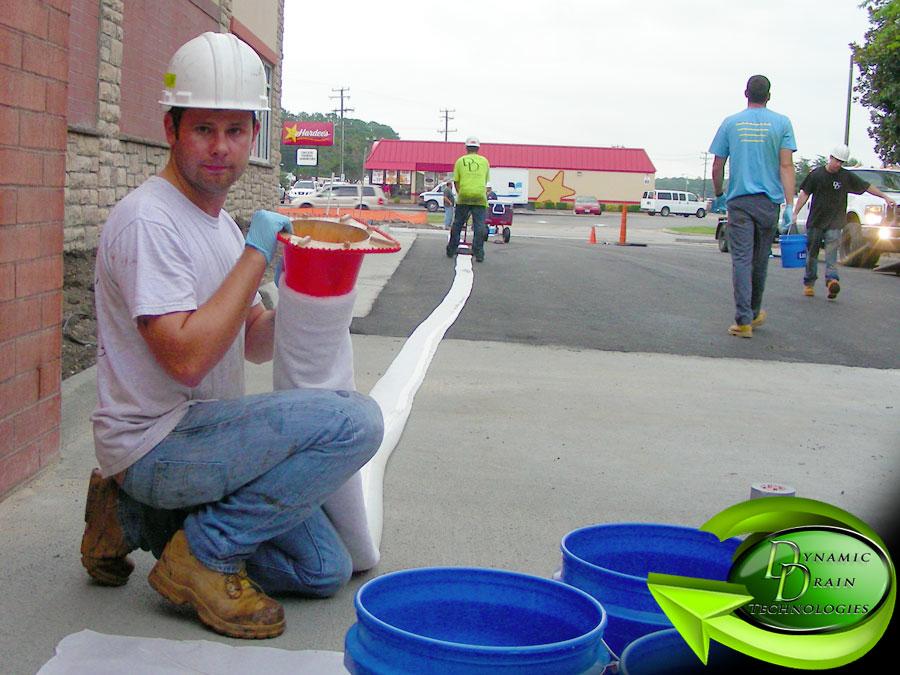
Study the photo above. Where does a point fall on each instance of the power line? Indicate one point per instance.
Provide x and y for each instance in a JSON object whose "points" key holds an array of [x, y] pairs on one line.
{"points": [[342, 110], [446, 116]]}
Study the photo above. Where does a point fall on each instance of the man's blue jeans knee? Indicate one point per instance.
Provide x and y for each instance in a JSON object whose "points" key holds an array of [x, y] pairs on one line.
{"points": [[253, 473]]}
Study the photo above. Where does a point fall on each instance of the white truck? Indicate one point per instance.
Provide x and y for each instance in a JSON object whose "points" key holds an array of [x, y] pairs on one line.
{"points": [[511, 186], [870, 229]]}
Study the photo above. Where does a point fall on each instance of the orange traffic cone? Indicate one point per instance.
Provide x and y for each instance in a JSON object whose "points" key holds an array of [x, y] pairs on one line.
{"points": [[592, 239]]}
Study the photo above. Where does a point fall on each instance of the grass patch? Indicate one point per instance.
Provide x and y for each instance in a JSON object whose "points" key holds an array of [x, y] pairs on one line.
{"points": [[694, 229], [435, 218]]}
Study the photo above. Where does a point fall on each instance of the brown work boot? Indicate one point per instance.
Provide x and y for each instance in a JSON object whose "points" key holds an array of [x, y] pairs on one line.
{"points": [[104, 550], [230, 604]]}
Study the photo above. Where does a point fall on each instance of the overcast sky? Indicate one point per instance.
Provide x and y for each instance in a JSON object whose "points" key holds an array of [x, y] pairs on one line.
{"points": [[652, 74]]}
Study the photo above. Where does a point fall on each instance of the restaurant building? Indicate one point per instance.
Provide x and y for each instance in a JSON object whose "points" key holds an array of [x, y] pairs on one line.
{"points": [[555, 173]]}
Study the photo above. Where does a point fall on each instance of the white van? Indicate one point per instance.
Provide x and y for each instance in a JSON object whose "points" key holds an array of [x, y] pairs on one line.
{"points": [[665, 202]]}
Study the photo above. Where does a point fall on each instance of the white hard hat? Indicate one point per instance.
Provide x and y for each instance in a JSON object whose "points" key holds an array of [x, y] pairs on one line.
{"points": [[472, 142], [841, 153], [216, 70], [487, 185]]}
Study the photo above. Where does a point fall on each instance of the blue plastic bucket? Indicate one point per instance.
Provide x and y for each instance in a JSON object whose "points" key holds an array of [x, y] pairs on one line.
{"points": [[666, 653], [793, 250], [454, 620], [611, 562]]}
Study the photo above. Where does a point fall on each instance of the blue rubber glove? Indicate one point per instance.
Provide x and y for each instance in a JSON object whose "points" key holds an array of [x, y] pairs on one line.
{"points": [[264, 229], [718, 205], [787, 218]]}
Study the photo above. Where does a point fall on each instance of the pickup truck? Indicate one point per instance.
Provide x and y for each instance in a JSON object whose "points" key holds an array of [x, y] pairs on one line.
{"points": [[870, 229], [433, 200]]}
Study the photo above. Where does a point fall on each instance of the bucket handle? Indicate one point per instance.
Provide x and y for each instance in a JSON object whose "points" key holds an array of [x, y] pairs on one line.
{"points": [[613, 667]]}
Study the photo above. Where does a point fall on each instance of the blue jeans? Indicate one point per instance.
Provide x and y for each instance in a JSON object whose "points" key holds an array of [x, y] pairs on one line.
{"points": [[751, 229], [249, 475], [462, 215], [448, 216], [814, 239]]}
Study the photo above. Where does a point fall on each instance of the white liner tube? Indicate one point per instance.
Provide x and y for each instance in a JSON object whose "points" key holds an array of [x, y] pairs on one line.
{"points": [[397, 388], [313, 351]]}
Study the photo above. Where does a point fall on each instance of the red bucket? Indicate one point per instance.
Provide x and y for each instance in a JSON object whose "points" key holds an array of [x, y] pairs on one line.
{"points": [[323, 256]]}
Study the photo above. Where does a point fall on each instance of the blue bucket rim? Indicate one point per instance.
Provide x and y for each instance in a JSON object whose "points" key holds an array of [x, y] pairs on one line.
{"points": [[566, 551], [366, 617], [640, 643]]}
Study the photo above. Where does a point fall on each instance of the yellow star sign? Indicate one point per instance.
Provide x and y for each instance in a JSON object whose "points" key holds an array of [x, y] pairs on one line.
{"points": [[553, 190], [290, 134]]}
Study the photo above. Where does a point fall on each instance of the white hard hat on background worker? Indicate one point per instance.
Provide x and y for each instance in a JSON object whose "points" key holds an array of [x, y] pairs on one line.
{"points": [[472, 142], [238, 83], [841, 153]]}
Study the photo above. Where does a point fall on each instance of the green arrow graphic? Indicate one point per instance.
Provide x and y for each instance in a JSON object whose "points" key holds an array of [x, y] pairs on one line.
{"points": [[702, 609], [691, 604]]}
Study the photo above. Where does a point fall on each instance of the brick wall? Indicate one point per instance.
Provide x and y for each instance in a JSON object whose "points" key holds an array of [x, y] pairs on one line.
{"points": [[33, 75], [60, 177], [125, 144]]}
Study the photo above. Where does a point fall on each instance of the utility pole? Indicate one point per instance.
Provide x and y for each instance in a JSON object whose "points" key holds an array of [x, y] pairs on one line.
{"points": [[705, 156], [342, 110], [445, 114], [849, 95]]}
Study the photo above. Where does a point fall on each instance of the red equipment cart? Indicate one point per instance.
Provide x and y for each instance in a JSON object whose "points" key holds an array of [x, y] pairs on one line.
{"points": [[498, 221]]}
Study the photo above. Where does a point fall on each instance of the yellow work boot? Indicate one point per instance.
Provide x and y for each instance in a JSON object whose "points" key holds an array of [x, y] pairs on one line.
{"points": [[760, 319], [103, 547], [741, 330], [808, 291], [229, 603]]}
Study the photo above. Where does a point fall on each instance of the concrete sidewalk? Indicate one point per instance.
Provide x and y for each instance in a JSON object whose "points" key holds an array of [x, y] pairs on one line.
{"points": [[498, 461]]}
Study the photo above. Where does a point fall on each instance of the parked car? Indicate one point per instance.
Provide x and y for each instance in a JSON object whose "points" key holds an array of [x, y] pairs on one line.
{"points": [[665, 202], [588, 204], [433, 199], [345, 196], [300, 188]]}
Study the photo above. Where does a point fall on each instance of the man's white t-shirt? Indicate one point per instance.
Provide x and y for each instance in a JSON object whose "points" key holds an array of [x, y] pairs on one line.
{"points": [[158, 253]]}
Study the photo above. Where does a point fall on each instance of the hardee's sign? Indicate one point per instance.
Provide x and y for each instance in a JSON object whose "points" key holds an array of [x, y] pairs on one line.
{"points": [[307, 133]]}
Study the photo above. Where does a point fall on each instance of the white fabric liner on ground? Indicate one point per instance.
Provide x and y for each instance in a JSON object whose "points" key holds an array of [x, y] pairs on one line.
{"points": [[91, 653]]}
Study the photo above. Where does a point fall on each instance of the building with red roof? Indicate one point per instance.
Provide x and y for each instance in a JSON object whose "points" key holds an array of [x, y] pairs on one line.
{"points": [[553, 173]]}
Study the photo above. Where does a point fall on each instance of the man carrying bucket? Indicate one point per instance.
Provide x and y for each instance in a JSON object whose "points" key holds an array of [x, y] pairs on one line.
{"points": [[829, 185], [470, 176], [217, 484], [760, 144]]}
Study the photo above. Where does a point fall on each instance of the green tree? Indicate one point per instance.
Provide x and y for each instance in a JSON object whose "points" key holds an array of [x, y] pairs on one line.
{"points": [[879, 82], [358, 138]]}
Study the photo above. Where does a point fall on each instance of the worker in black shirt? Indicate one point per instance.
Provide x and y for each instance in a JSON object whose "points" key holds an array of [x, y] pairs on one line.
{"points": [[828, 185]]}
